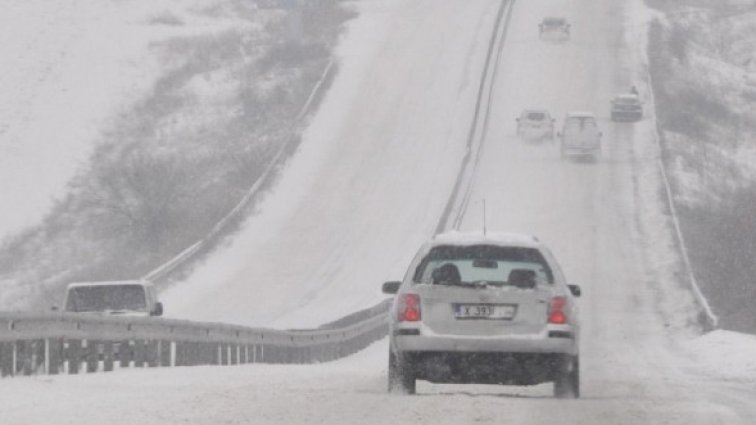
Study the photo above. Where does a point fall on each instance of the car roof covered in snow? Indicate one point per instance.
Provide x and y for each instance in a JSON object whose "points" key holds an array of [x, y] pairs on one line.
{"points": [[554, 20], [627, 96], [540, 111], [494, 238], [110, 283]]}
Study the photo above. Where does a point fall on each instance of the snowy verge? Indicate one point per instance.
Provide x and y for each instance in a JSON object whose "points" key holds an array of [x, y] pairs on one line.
{"points": [[725, 355]]}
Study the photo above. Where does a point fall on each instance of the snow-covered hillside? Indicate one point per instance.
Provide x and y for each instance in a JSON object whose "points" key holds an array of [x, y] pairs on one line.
{"points": [[67, 67]]}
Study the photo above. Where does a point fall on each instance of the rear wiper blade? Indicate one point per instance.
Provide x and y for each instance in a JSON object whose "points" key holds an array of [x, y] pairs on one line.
{"points": [[478, 284]]}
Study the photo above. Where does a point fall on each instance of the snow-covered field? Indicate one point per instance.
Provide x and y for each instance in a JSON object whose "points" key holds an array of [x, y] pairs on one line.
{"points": [[367, 187], [67, 67]]}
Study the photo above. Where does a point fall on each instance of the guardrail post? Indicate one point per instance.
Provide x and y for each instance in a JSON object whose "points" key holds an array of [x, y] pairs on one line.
{"points": [[180, 354], [6, 359], [73, 355], [164, 353], [107, 356], [125, 353], [22, 356], [209, 354], [234, 354], [37, 361], [172, 358], [92, 356], [223, 354], [152, 353], [140, 352]]}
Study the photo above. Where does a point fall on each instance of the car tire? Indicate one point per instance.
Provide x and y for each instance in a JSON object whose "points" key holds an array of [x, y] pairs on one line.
{"points": [[401, 376], [567, 382]]}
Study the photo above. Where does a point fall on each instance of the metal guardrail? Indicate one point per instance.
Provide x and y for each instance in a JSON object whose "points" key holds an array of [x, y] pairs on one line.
{"points": [[708, 319], [459, 199], [75, 343]]}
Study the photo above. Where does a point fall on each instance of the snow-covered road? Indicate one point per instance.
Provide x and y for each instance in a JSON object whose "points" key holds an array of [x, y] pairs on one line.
{"points": [[368, 186]]}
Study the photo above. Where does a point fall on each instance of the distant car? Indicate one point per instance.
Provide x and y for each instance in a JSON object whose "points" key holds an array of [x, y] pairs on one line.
{"points": [[580, 135], [627, 107], [535, 125], [127, 298], [486, 309], [554, 25]]}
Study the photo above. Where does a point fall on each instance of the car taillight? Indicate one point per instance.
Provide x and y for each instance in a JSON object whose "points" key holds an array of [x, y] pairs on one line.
{"points": [[409, 308], [557, 315]]}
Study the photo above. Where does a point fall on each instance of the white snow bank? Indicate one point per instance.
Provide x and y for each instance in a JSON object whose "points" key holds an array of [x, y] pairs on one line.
{"points": [[725, 355]]}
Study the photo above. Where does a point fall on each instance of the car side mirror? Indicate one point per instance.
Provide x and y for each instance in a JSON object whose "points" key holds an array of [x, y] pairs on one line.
{"points": [[391, 287], [575, 290], [158, 311], [54, 308]]}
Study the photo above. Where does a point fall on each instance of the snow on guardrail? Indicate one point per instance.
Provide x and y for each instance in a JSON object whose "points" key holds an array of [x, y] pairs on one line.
{"points": [[76, 343]]}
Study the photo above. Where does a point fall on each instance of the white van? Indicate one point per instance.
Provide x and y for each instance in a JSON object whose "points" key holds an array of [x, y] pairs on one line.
{"points": [[580, 135], [129, 297]]}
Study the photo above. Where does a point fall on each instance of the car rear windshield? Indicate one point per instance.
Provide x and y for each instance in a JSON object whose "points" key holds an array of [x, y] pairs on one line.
{"points": [[483, 263], [106, 298], [535, 116], [580, 124]]}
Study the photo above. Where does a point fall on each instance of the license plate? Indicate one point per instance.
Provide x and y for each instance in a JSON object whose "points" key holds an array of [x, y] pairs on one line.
{"points": [[485, 311]]}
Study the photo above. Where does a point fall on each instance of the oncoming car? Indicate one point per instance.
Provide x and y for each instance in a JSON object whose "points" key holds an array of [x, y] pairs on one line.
{"points": [[535, 125], [124, 298], [554, 25], [487, 309]]}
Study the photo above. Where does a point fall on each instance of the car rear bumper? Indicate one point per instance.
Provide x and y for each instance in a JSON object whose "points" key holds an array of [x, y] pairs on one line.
{"points": [[534, 133], [560, 340], [484, 368], [575, 151], [627, 115]]}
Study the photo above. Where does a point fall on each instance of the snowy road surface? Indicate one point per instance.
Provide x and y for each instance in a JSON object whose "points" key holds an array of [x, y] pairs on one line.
{"points": [[367, 188]]}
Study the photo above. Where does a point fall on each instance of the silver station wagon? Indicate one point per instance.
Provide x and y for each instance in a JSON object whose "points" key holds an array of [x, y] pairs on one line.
{"points": [[486, 309]]}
